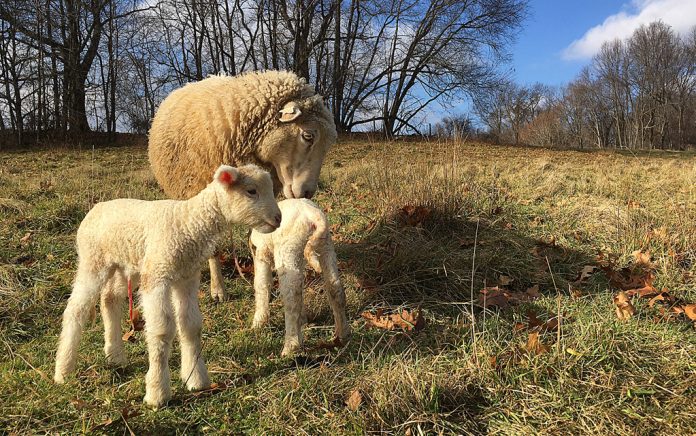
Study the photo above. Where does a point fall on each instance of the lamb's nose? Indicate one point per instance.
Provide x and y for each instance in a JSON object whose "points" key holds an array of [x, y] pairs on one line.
{"points": [[308, 194], [277, 220]]}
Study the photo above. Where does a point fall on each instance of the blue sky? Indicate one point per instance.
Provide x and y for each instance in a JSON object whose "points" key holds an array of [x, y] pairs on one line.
{"points": [[560, 37], [551, 28]]}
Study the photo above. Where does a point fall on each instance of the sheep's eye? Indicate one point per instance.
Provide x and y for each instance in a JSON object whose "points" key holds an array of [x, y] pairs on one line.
{"points": [[251, 192], [307, 136]]}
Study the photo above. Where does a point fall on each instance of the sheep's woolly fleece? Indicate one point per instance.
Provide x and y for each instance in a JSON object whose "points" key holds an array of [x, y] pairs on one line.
{"points": [[224, 121]]}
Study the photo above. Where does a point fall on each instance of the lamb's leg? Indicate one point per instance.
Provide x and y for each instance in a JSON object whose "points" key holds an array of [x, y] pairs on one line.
{"points": [[112, 300], [217, 282], [159, 334], [290, 283], [263, 282], [334, 288], [77, 313], [189, 324]]}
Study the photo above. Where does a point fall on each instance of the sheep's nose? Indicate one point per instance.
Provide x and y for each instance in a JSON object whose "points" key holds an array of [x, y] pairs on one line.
{"points": [[308, 194], [277, 220]]}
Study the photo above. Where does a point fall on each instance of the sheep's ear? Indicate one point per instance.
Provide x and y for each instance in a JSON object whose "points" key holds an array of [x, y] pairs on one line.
{"points": [[290, 112], [227, 175]]}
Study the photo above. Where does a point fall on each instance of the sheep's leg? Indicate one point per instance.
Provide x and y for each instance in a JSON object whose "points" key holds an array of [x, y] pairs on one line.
{"points": [[335, 291], [159, 334], [217, 289], [189, 323], [263, 282], [77, 314], [112, 300], [290, 283]]}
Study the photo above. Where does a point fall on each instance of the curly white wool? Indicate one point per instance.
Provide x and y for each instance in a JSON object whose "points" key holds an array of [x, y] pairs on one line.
{"points": [[303, 236], [159, 245]]}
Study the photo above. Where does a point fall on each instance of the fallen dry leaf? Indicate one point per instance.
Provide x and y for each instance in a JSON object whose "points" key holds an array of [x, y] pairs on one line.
{"points": [[26, 238], [244, 266], [533, 292], [505, 280], [129, 412], [624, 308], [404, 320], [535, 324], [662, 296], [138, 322], [371, 226], [677, 310], [79, 404], [129, 336], [325, 345], [643, 258], [549, 241], [414, 215], [690, 311], [585, 273], [354, 400], [576, 293], [494, 297], [519, 326], [534, 345], [646, 291]]}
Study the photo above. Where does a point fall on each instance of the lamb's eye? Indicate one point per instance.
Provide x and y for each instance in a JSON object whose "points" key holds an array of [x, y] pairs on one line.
{"points": [[251, 192]]}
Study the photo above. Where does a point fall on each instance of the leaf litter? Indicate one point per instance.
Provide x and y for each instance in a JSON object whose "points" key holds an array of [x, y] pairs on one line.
{"points": [[636, 281], [404, 320]]}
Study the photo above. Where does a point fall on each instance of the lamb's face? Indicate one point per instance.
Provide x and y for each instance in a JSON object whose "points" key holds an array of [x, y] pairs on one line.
{"points": [[245, 196], [297, 148]]}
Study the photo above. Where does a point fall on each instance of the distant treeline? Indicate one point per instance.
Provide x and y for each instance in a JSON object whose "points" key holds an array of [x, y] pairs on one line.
{"points": [[636, 93], [72, 66]]}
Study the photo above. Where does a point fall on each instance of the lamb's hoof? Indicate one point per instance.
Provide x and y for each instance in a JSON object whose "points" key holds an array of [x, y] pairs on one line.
{"points": [[156, 400], [118, 359], [59, 378], [291, 349], [218, 294], [343, 334], [196, 381], [259, 321]]}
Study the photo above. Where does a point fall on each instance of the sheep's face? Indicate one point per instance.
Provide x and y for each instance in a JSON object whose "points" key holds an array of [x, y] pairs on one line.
{"points": [[297, 148], [245, 196]]}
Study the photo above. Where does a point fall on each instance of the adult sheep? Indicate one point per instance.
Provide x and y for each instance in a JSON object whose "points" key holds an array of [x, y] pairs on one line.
{"points": [[273, 119]]}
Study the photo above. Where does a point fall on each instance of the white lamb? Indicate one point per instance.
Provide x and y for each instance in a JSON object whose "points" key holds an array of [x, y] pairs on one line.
{"points": [[161, 245], [303, 234]]}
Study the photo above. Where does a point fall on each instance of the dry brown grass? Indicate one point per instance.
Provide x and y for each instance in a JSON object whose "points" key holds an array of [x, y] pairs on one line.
{"points": [[537, 216]]}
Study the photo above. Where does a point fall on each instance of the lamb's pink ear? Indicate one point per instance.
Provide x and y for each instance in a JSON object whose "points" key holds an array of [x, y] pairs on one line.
{"points": [[227, 175]]}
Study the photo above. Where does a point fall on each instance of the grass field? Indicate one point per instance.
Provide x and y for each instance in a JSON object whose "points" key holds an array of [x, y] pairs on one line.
{"points": [[498, 215]]}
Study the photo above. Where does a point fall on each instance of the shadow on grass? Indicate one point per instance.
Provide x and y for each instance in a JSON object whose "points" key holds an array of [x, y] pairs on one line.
{"points": [[430, 264]]}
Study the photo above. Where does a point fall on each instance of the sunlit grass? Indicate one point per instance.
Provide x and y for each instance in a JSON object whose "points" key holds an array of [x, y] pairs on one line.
{"points": [[534, 215]]}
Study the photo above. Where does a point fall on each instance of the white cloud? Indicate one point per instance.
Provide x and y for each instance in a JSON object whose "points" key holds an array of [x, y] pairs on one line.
{"points": [[680, 14]]}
